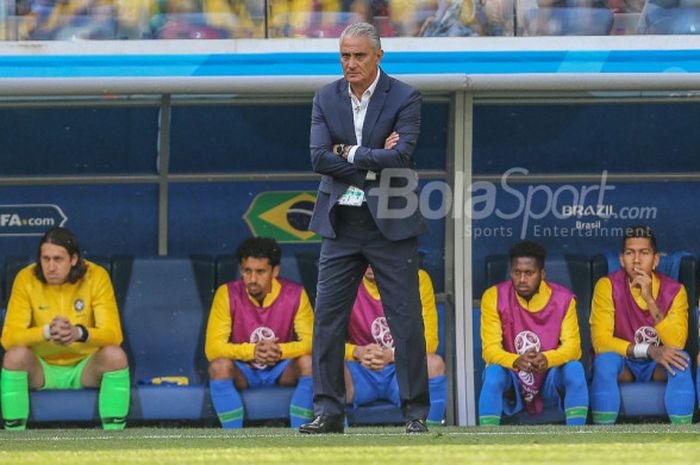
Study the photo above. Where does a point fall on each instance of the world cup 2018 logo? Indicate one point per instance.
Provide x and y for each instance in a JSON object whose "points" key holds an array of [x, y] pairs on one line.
{"points": [[526, 340], [381, 333], [523, 342], [261, 333], [646, 335]]}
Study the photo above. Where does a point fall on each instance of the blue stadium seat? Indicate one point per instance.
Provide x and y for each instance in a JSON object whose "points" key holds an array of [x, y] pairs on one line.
{"points": [[647, 399], [11, 266], [568, 21], [163, 305], [572, 271]]}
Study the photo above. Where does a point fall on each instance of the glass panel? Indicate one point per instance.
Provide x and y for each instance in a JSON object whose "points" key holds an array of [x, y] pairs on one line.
{"points": [[235, 211], [587, 138], [73, 141], [270, 138], [117, 219]]}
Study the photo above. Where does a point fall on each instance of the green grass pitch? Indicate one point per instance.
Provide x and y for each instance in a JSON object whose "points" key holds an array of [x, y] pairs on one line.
{"points": [[624, 444]]}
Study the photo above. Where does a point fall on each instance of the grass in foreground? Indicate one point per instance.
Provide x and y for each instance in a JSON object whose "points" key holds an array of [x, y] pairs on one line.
{"points": [[626, 444]]}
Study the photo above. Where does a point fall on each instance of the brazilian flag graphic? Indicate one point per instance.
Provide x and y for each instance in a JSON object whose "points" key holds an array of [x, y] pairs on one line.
{"points": [[282, 215]]}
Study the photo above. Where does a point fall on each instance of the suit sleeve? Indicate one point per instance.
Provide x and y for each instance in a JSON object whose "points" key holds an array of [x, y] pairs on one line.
{"points": [[401, 156], [303, 328], [569, 340], [323, 160], [492, 332], [219, 327]]}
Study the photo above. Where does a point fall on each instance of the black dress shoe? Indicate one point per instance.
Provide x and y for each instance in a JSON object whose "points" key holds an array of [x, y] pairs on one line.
{"points": [[416, 426], [324, 424]]}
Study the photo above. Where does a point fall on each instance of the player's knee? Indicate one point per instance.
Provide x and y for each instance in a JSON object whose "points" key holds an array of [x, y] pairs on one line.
{"points": [[303, 365], [221, 368], [605, 365], [17, 358], [495, 378], [574, 377], [436, 366], [681, 377], [112, 358]]}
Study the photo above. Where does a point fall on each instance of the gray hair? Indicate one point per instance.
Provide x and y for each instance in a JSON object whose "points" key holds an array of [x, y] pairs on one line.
{"points": [[362, 30]]}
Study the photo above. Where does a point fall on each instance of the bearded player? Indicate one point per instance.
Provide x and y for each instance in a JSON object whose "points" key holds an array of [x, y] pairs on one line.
{"points": [[370, 374], [639, 324], [259, 334], [531, 344], [62, 331]]}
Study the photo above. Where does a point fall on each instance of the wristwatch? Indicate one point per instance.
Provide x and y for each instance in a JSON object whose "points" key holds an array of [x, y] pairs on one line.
{"points": [[339, 149]]}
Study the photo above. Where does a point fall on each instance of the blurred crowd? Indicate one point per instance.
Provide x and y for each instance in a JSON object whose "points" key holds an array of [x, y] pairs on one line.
{"points": [[220, 19]]}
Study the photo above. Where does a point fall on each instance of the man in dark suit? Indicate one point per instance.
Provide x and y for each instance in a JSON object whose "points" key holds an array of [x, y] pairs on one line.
{"points": [[364, 129]]}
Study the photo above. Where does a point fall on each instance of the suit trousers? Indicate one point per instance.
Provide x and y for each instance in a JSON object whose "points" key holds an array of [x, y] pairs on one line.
{"points": [[343, 261]]}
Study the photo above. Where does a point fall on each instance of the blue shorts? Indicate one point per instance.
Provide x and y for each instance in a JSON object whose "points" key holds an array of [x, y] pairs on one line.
{"points": [[374, 385], [266, 377], [642, 370]]}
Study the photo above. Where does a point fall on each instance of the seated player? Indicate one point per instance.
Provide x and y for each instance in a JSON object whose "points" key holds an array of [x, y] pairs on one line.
{"points": [[62, 331], [531, 344], [639, 325], [259, 334], [369, 372]]}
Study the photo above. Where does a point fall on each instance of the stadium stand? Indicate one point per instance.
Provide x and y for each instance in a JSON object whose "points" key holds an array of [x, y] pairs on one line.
{"points": [[574, 21], [672, 21]]}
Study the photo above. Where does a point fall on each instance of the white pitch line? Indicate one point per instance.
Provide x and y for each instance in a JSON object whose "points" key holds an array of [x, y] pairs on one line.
{"points": [[154, 437]]}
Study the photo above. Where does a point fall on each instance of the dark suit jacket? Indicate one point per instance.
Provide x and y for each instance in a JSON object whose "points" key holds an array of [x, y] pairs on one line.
{"points": [[395, 106]]}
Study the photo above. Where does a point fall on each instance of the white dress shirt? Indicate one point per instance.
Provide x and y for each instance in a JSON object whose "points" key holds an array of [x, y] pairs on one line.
{"points": [[354, 196]]}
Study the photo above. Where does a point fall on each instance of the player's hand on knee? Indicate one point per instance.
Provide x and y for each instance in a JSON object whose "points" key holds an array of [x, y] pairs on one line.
{"points": [[669, 357]]}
